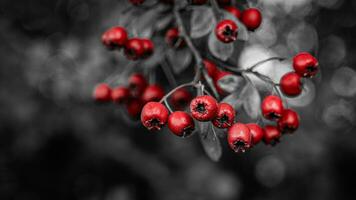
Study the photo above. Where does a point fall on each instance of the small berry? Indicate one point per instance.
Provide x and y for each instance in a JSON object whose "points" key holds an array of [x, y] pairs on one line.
{"points": [[239, 137], [102, 93], [272, 107], [153, 93], [204, 108], [137, 84], [181, 123], [234, 11], [257, 133], [198, 2], [289, 122], [210, 68], [291, 84], [180, 98], [226, 31], [134, 49], [305, 65], [148, 47], [154, 116], [272, 135], [137, 2], [225, 116], [173, 38], [120, 94], [252, 18], [220, 75], [114, 38], [134, 108]]}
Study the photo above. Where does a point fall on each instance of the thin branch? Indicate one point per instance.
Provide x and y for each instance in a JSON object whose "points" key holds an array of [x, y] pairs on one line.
{"points": [[192, 84], [216, 9], [168, 106], [262, 62]]}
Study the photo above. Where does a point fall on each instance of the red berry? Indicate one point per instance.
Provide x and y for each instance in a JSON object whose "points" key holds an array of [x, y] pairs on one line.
{"points": [[305, 65], [120, 94], [173, 38], [181, 123], [239, 137], [289, 121], [134, 49], [234, 11], [252, 18], [137, 2], [218, 76], [115, 37], [291, 84], [148, 47], [153, 93], [272, 107], [226, 31], [102, 93], [272, 135], [137, 84], [210, 68], [180, 98], [203, 108], [225, 116], [198, 2], [154, 116], [257, 133], [134, 107]]}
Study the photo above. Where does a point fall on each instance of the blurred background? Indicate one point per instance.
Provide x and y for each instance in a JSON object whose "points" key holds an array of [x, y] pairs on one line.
{"points": [[55, 143]]}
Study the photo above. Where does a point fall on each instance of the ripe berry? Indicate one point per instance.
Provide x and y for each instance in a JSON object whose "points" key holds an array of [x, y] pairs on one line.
{"points": [[291, 84], [148, 47], [180, 98], [272, 135], [252, 18], [137, 84], [137, 2], [239, 137], [134, 49], [134, 107], [115, 37], [305, 65], [210, 68], [225, 116], [234, 11], [219, 75], [173, 38], [102, 93], [203, 108], [153, 93], [120, 94], [257, 133], [289, 121], [272, 107], [181, 123], [154, 116], [198, 2], [226, 31]]}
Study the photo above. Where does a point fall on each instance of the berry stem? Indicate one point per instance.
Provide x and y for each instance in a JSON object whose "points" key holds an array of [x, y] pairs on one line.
{"points": [[168, 106], [191, 84]]}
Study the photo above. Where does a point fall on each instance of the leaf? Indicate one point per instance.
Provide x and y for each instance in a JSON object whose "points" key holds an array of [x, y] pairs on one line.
{"points": [[210, 141], [252, 101], [242, 30], [219, 49], [231, 83], [163, 22], [234, 100], [179, 59], [202, 21], [143, 25]]}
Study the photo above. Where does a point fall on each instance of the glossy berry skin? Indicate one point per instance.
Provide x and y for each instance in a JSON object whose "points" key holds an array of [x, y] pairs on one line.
{"points": [[210, 68], [272, 135], [305, 65], [154, 116], [120, 95], [204, 108], [234, 11], [252, 18], [225, 116], [134, 107], [137, 2], [134, 49], [173, 38], [181, 124], [153, 93], [291, 84], [257, 133], [148, 47], [289, 122], [239, 137], [272, 107], [219, 75], [102, 93], [137, 84], [226, 31], [180, 98], [114, 38]]}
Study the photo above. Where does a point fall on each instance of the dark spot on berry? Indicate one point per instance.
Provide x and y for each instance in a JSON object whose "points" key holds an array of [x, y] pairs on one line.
{"points": [[200, 108]]}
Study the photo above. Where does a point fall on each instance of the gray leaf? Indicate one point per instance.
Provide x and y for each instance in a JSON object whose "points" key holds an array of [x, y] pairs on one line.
{"points": [[231, 83], [179, 59], [252, 101], [202, 21], [219, 49], [210, 141]]}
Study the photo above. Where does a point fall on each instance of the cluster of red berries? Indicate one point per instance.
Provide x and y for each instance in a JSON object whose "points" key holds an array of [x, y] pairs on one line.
{"points": [[135, 48]]}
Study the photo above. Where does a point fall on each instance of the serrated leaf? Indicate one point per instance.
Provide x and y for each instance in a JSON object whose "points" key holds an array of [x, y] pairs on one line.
{"points": [[210, 141], [243, 33], [219, 49], [252, 101], [231, 83], [202, 21], [179, 59]]}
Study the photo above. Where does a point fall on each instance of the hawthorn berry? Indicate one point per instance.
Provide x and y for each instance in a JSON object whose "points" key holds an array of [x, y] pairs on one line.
{"points": [[210, 68], [204, 108], [219, 75], [181, 123], [234, 11], [134, 49], [102, 93], [153, 93], [115, 37], [225, 116], [257, 132], [252, 18], [137, 2], [148, 47], [180, 98], [120, 94], [137, 84], [173, 38], [272, 135], [134, 107], [289, 122], [154, 116], [291, 84], [272, 107], [239, 137], [226, 31], [305, 64]]}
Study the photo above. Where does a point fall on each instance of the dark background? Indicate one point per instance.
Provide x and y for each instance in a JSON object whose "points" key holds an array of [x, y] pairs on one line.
{"points": [[55, 143]]}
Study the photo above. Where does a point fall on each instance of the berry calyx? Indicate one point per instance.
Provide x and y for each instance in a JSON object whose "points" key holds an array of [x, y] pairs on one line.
{"points": [[289, 122], [114, 38], [239, 137], [153, 93], [203, 108], [225, 116], [226, 31], [305, 65], [291, 84], [148, 47], [120, 95], [210, 68], [272, 107], [252, 18], [272, 135], [154, 116], [181, 124], [257, 132], [234, 11], [173, 38], [134, 49], [180, 98], [137, 84], [134, 107], [102, 93], [137, 2]]}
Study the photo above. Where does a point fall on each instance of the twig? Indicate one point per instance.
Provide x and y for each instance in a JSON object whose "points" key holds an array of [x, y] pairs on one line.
{"points": [[175, 89], [262, 62]]}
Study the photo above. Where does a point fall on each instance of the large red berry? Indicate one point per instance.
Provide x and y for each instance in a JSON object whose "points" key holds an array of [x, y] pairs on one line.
{"points": [[134, 49], [272, 135], [173, 38], [219, 75], [257, 133], [289, 122], [137, 2], [153, 93], [305, 65], [154, 116], [181, 123], [115, 37], [239, 137], [134, 107], [120, 94], [137, 84], [225, 116], [252, 18], [272, 107], [204, 108], [180, 98], [210, 68], [102, 93], [226, 31], [234, 11], [148, 47], [291, 84]]}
